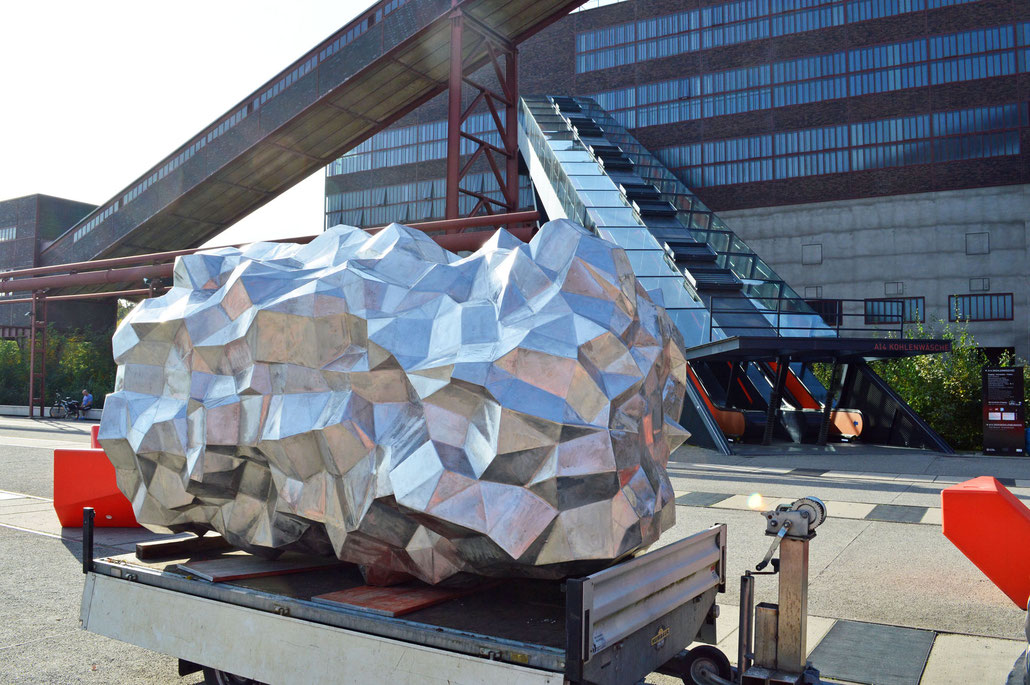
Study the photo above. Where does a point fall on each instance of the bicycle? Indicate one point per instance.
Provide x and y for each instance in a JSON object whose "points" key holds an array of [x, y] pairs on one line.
{"points": [[63, 407]]}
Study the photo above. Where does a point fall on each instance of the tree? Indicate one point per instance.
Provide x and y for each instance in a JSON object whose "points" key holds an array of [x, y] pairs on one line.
{"points": [[946, 389], [76, 360]]}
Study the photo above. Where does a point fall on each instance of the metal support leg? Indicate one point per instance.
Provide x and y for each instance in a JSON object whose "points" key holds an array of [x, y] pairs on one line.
{"points": [[37, 355], [831, 396], [746, 624], [506, 173], [734, 368], [773, 412], [791, 648]]}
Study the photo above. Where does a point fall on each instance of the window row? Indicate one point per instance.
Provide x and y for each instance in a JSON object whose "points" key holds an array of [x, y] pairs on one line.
{"points": [[974, 133], [82, 231], [8, 233], [411, 144], [731, 24], [895, 310], [980, 307], [863, 71], [898, 310]]}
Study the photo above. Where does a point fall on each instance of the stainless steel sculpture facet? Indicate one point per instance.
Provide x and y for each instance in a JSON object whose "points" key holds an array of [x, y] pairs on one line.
{"points": [[386, 401]]}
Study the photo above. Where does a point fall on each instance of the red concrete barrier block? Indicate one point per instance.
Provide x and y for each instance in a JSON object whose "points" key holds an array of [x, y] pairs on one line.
{"points": [[992, 528], [85, 478], [94, 432]]}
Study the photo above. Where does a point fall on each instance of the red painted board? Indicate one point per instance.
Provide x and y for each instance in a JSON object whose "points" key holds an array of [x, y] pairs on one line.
{"points": [[992, 528], [241, 565], [94, 432], [396, 600], [86, 478]]}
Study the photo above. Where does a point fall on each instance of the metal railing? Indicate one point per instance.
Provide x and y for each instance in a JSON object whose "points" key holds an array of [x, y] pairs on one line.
{"points": [[780, 317]]}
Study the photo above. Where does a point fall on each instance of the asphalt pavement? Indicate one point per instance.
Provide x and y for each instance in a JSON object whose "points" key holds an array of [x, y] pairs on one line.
{"points": [[41, 578]]}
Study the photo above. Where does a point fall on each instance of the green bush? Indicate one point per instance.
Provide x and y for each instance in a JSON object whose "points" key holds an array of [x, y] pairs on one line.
{"points": [[945, 389], [74, 360]]}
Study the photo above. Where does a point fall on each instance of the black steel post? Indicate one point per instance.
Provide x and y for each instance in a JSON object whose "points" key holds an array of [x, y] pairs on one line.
{"points": [[773, 412], [734, 366], [831, 396], [87, 539]]}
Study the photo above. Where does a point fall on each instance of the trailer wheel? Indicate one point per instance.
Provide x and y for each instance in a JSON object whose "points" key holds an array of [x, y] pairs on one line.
{"points": [[212, 676], [700, 660]]}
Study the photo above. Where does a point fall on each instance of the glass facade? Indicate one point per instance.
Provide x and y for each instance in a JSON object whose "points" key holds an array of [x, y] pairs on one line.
{"points": [[965, 56], [598, 198], [413, 202], [8, 233], [973, 133], [729, 24], [412, 144]]}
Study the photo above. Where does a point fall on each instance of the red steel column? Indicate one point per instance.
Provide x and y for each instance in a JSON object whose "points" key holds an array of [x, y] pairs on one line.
{"points": [[454, 118], [37, 339], [511, 129]]}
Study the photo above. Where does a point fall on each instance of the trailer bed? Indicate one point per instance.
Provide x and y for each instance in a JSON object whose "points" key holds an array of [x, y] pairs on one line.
{"points": [[614, 626]]}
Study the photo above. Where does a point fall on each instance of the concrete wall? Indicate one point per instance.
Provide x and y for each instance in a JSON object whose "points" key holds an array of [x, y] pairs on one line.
{"points": [[23, 410], [905, 245]]}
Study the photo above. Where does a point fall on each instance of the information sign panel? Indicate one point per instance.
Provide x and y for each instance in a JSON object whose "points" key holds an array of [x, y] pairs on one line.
{"points": [[1004, 411]]}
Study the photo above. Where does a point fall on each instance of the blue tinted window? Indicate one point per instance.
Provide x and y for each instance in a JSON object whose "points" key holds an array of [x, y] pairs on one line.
{"points": [[980, 307], [975, 67], [901, 141]]}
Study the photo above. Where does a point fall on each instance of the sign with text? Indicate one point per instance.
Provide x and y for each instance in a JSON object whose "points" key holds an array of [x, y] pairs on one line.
{"points": [[1004, 411]]}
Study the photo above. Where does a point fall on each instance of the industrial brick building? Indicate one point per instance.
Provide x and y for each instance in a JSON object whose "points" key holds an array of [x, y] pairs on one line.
{"points": [[871, 149], [27, 225]]}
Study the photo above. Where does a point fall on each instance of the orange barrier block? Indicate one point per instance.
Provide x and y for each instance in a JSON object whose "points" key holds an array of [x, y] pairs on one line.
{"points": [[85, 478], [94, 432], [992, 528]]}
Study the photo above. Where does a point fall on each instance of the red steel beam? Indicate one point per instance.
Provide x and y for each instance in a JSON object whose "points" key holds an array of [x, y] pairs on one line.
{"points": [[94, 273], [480, 221], [108, 276], [136, 292], [460, 242]]}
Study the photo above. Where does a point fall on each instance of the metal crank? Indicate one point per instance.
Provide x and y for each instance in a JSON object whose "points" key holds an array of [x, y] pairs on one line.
{"points": [[771, 646]]}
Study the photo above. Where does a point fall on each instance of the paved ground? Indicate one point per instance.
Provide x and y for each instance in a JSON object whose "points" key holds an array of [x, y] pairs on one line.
{"points": [[891, 600]]}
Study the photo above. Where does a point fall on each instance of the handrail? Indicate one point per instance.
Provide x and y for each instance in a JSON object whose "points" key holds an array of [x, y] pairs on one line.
{"points": [[896, 321]]}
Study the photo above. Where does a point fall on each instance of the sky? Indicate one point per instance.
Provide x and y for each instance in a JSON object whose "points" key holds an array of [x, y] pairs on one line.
{"points": [[96, 93]]}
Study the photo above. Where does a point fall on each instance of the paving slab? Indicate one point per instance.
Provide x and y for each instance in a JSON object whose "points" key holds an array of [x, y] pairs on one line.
{"points": [[700, 499], [873, 653], [848, 510], [954, 659], [909, 575], [897, 513], [933, 517], [24, 504]]}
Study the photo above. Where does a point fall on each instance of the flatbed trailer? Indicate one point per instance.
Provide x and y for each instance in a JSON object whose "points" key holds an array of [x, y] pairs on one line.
{"points": [[612, 627]]}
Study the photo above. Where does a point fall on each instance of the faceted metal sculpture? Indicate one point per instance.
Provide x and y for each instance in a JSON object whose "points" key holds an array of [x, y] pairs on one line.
{"points": [[383, 400]]}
